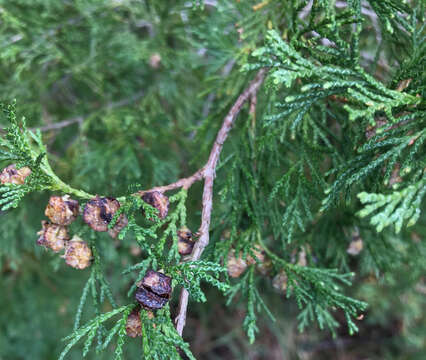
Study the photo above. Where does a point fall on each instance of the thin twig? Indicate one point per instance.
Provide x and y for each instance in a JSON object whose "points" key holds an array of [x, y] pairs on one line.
{"points": [[79, 119], [208, 172], [61, 124]]}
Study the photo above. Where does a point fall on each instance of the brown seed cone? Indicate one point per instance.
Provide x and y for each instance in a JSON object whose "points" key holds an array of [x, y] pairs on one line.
{"points": [[279, 282], [149, 300], [259, 255], [157, 282], [159, 201], [99, 212], [133, 324], [62, 210], [185, 233], [185, 243], [185, 246], [53, 236], [12, 175], [236, 266], [77, 253], [154, 290]]}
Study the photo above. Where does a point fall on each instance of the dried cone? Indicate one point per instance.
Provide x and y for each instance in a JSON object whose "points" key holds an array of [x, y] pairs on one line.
{"points": [[52, 236], [12, 175], [236, 266], [159, 201], [157, 282], [149, 300], [279, 282], [185, 243], [154, 290], [133, 324], [77, 253], [99, 212], [62, 210]]}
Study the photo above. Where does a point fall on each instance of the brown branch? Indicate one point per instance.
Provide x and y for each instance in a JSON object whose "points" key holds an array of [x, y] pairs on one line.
{"points": [[185, 183], [208, 172]]}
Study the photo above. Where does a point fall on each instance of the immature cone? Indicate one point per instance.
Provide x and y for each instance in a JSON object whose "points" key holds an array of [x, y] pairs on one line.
{"points": [[99, 212], [236, 266], [77, 253], [12, 175], [154, 290], [52, 236], [62, 210], [159, 201], [134, 325], [185, 243]]}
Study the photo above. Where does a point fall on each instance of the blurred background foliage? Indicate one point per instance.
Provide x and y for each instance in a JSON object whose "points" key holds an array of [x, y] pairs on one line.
{"points": [[130, 91]]}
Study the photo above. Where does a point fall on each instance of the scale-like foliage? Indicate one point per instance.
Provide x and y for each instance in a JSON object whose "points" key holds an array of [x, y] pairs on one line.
{"points": [[320, 182]]}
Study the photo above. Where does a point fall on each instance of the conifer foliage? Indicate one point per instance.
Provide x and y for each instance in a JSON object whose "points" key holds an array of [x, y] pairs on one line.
{"points": [[228, 145]]}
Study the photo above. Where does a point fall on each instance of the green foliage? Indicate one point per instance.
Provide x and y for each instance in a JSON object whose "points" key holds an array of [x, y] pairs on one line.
{"points": [[93, 326], [189, 275], [395, 208], [248, 290], [124, 96]]}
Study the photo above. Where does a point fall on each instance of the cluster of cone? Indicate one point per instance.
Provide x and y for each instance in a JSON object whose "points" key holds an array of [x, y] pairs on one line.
{"points": [[155, 288], [62, 211], [12, 175]]}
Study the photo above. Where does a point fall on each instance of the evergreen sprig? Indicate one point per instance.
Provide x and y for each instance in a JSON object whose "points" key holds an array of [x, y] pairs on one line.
{"points": [[395, 208], [190, 274]]}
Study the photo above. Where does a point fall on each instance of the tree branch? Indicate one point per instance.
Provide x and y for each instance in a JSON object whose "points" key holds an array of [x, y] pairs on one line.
{"points": [[80, 119], [208, 172]]}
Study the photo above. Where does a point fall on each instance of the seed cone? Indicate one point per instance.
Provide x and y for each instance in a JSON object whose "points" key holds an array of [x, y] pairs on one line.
{"points": [[53, 236], [133, 324], [157, 282], [62, 210], [185, 243], [159, 201], [149, 300], [236, 266], [12, 175], [154, 290], [99, 212], [77, 253]]}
